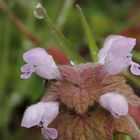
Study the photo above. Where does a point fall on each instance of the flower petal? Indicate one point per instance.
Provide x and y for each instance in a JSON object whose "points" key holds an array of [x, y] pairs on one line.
{"points": [[27, 67], [38, 56], [45, 65], [115, 65], [48, 73], [115, 103], [25, 75], [122, 47], [27, 70], [49, 133], [107, 45], [33, 115], [135, 68], [51, 111], [115, 54]]}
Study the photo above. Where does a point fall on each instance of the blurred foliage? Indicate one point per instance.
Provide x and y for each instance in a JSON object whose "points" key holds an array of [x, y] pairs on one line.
{"points": [[20, 31]]}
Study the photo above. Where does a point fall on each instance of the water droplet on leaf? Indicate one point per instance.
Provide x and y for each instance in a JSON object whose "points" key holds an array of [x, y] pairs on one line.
{"points": [[38, 15], [39, 11]]}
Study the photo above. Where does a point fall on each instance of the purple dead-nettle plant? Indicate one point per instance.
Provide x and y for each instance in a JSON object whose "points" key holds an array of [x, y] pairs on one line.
{"points": [[93, 99]]}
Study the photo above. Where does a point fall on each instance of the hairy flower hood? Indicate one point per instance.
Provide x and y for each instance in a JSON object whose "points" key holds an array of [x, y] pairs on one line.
{"points": [[40, 62]]}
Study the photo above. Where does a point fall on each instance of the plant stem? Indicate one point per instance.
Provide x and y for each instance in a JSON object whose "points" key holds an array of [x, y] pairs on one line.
{"points": [[132, 78]]}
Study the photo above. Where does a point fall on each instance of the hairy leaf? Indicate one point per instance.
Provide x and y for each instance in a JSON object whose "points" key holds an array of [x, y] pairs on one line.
{"points": [[86, 127], [80, 86]]}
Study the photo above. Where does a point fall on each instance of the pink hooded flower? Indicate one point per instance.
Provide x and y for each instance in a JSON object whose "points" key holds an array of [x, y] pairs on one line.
{"points": [[115, 103], [40, 62], [116, 55], [42, 114]]}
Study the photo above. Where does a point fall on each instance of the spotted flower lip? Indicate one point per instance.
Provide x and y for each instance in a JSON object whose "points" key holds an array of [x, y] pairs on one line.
{"points": [[135, 68], [49, 133], [42, 114], [115, 103], [40, 62], [116, 55]]}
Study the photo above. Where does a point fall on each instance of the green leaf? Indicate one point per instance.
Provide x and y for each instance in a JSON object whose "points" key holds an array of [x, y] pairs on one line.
{"points": [[91, 40], [65, 45]]}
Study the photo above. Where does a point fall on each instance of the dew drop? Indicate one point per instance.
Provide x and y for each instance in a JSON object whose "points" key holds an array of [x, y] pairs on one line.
{"points": [[38, 14]]}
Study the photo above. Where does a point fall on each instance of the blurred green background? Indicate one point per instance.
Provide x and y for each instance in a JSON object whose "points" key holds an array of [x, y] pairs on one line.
{"points": [[20, 30]]}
